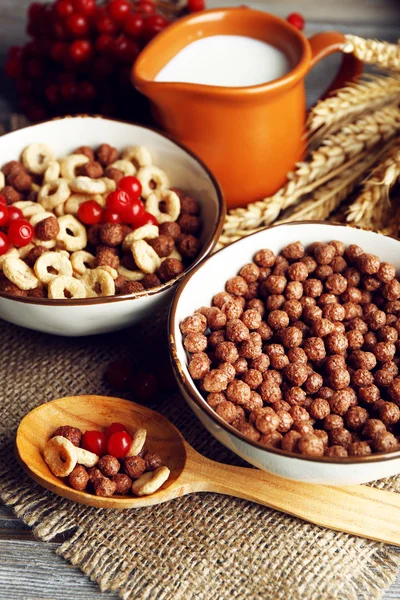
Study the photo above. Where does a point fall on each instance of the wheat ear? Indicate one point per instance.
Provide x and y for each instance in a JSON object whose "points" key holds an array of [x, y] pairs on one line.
{"points": [[374, 52]]}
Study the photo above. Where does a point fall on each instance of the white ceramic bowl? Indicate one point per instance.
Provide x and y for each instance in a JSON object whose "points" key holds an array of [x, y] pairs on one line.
{"points": [[99, 315], [198, 290]]}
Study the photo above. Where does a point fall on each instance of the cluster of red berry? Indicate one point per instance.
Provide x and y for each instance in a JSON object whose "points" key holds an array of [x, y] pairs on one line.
{"points": [[122, 206], [116, 441], [14, 229], [81, 56]]}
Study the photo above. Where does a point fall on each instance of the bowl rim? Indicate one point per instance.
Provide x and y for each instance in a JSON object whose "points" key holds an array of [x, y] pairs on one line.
{"points": [[206, 250], [187, 384]]}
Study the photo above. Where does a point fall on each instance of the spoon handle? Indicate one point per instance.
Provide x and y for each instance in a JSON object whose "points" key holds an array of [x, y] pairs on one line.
{"points": [[360, 510]]}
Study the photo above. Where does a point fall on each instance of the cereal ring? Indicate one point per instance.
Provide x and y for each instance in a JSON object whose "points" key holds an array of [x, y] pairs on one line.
{"points": [[60, 456], [2, 180], [39, 216], [139, 156], [126, 166], [19, 273], [70, 163], [82, 260], [29, 208], [60, 286], [145, 257], [72, 235], [45, 243], [146, 232], [152, 179], [86, 185], [54, 193], [86, 458], [172, 204], [128, 274], [52, 172], [37, 157], [73, 203], [13, 252], [51, 265], [110, 184], [99, 282], [35, 187], [110, 270], [150, 482], [59, 210], [138, 441]]}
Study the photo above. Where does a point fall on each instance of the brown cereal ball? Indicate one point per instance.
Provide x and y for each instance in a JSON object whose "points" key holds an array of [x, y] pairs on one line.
{"points": [[339, 246], [322, 327], [323, 436], [236, 331], [296, 373], [195, 342], [153, 461], [291, 337], [275, 284], [369, 394], [20, 181], [170, 229], [363, 360], [338, 264], [371, 283], [94, 474], [260, 363], [310, 263], [310, 445], [336, 452], [336, 284], [383, 377], [10, 288], [362, 378], [270, 392], [134, 466], [388, 334], [237, 286], [384, 441], [38, 292], [333, 422], [336, 343], [274, 302], [107, 256], [109, 465], [215, 398], [189, 205], [294, 290], [252, 378], [366, 297], [297, 272], [34, 254], [386, 272], [116, 175], [196, 323], [357, 324], [281, 266], [238, 392], [251, 318], [384, 351], [78, 478], [256, 304], [355, 339], [311, 313], [289, 441], [356, 417], [353, 276], [368, 264], [370, 341], [170, 268], [293, 251], [241, 366], [264, 274], [106, 154], [339, 436], [297, 355], [199, 365], [250, 272], [295, 396], [339, 328], [307, 301], [104, 487], [392, 307], [391, 290], [372, 427], [189, 224], [313, 383], [267, 420], [324, 254], [215, 381], [389, 413], [285, 421], [319, 408], [215, 338], [111, 234], [303, 328], [359, 449], [264, 258], [293, 309], [248, 430], [123, 483], [314, 348], [226, 352], [390, 319], [299, 414], [376, 320], [273, 376], [73, 434], [278, 319], [11, 195], [333, 312], [313, 288], [163, 245], [188, 246], [353, 252], [280, 405], [279, 362], [254, 403], [92, 169], [47, 229], [340, 402], [274, 350], [273, 439], [232, 309], [352, 311], [86, 151], [250, 348], [339, 379]]}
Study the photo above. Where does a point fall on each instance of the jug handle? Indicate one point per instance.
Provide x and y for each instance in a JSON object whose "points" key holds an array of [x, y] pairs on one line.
{"points": [[326, 43]]}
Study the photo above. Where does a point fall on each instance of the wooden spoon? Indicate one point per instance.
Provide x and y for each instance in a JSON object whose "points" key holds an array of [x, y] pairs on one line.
{"points": [[357, 509]]}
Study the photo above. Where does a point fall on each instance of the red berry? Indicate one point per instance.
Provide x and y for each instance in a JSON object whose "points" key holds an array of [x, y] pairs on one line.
{"points": [[36, 113], [118, 201], [103, 43], [77, 25], [90, 212], [133, 24], [35, 11], [59, 51], [14, 213], [154, 24], [80, 50], [14, 67], [296, 20], [110, 217], [4, 243], [146, 7], [105, 24], [131, 185], [3, 201], [86, 91], [118, 9], [196, 5], [144, 218], [133, 212], [3, 215], [118, 374], [52, 93], [20, 232], [118, 444], [85, 7], [35, 68], [95, 441], [144, 386], [69, 91], [113, 428], [63, 8], [124, 49]]}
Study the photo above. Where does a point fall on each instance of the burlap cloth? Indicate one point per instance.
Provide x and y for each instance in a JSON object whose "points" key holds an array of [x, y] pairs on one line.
{"points": [[199, 547]]}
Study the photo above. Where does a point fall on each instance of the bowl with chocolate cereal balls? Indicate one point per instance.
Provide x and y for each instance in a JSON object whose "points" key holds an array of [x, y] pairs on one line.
{"points": [[286, 346], [99, 220]]}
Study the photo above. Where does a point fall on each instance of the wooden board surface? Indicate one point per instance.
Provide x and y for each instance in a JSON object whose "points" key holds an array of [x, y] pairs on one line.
{"points": [[30, 569]]}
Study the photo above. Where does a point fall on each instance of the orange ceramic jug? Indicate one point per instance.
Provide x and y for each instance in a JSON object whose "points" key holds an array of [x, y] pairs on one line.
{"points": [[250, 137]]}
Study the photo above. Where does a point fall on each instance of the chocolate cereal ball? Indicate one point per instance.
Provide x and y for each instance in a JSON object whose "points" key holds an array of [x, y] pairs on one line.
{"points": [[356, 417], [384, 441], [310, 445], [196, 323], [73, 434], [199, 365], [78, 478], [227, 411], [319, 408], [359, 449], [104, 487], [336, 452], [123, 484], [109, 465], [134, 466]]}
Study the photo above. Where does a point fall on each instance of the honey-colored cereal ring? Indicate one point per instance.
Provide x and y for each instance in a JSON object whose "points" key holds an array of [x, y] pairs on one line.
{"points": [[172, 204], [13, 252], [59, 210], [125, 166], [86, 185], [110, 184], [86, 458], [45, 243], [52, 172], [39, 216], [37, 157], [2, 180], [139, 156], [152, 179], [60, 456], [138, 442], [29, 208], [110, 270], [130, 275], [73, 203], [99, 281], [145, 257], [81, 261], [18, 272], [150, 482], [58, 263], [59, 285], [54, 193], [70, 163], [72, 235], [146, 232]]}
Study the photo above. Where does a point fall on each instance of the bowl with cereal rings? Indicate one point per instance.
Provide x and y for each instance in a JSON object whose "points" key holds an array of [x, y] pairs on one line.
{"points": [[286, 346], [99, 220]]}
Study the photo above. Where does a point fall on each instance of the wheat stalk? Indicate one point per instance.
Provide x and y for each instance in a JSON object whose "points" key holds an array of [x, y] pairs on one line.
{"points": [[372, 207], [349, 102], [336, 153], [374, 52]]}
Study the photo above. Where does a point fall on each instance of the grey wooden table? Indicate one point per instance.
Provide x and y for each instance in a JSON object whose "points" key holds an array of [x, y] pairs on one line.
{"points": [[30, 569]]}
